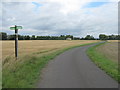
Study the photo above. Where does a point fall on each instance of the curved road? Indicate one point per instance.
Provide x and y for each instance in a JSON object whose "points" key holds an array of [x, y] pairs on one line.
{"points": [[73, 69]]}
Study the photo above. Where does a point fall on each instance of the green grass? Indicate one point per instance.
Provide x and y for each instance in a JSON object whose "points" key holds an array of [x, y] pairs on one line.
{"points": [[26, 74], [109, 66]]}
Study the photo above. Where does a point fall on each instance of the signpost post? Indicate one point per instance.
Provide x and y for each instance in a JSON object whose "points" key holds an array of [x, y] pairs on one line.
{"points": [[16, 38]]}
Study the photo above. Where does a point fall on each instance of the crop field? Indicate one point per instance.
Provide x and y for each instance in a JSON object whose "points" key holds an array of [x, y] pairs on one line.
{"points": [[110, 50], [29, 47], [113, 40]]}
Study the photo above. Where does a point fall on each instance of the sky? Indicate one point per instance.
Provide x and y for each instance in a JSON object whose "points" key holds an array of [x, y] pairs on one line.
{"points": [[60, 17]]}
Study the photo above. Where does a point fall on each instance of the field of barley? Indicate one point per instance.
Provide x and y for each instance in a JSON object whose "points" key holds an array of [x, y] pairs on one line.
{"points": [[110, 50], [33, 46]]}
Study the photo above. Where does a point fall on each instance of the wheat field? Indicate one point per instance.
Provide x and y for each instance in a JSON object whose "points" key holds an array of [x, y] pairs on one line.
{"points": [[113, 40], [110, 50], [27, 47]]}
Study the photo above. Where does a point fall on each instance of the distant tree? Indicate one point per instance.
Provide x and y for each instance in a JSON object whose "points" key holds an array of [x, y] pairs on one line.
{"points": [[33, 37], [20, 37], [62, 37], [0, 36], [76, 38], [88, 37], [103, 37], [118, 37], [82, 38], [3, 36], [27, 37], [11, 37], [112, 37]]}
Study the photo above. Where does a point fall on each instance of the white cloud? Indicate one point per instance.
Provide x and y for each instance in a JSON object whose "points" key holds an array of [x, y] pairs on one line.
{"points": [[69, 6], [56, 17]]}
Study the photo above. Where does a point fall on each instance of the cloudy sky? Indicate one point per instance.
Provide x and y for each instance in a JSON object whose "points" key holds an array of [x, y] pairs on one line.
{"points": [[61, 17]]}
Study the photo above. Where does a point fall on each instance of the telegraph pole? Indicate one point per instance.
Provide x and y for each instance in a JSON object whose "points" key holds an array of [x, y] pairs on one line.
{"points": [[16, 39]]}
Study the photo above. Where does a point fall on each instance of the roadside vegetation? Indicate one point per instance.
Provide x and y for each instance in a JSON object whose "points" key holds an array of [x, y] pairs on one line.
{"points": [[105, 56], [25, 72], [5, 36]]}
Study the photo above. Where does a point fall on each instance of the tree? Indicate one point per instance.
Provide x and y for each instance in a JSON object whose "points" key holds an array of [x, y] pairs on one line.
{"points": [[88, 37], [76, 38], [112, 37], [118, 37], [27, 37], [33, 37], [20, 37], [62, 37], [103, 37], [11, 37], [3, 36]]}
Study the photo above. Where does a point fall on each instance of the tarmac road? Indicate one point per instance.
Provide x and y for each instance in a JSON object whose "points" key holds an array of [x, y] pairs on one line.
{"points": [[74, 69]]}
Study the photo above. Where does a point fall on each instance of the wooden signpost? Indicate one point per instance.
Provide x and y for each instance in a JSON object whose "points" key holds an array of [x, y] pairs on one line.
{"points": [[16, 38]]}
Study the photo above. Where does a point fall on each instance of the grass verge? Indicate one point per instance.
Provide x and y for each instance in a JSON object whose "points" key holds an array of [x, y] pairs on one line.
{"points": [[109, 66], [25, 74]]}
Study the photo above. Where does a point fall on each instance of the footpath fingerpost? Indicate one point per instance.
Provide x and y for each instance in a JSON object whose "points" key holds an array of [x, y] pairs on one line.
{"points": [[16, 39]]}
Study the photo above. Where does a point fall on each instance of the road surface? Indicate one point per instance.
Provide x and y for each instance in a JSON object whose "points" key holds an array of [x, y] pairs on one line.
{"points": [[74, 69]]}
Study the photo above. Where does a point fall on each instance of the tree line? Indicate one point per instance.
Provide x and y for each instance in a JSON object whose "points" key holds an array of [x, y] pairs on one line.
{"points": [[4, 36]]}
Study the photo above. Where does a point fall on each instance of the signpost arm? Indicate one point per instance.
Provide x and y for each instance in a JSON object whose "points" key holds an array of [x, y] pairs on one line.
{"points": [[16, 42]]}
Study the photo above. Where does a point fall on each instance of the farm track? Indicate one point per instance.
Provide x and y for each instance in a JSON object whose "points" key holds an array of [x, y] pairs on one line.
{"points": [[74, 69]]}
